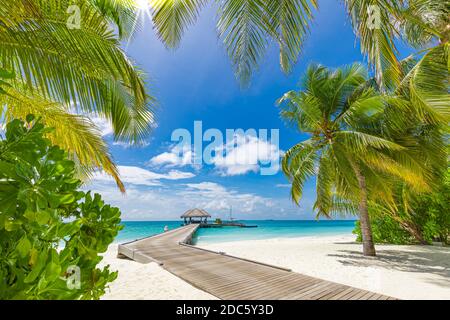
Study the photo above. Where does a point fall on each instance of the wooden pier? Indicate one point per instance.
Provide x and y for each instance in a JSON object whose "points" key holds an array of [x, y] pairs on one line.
{"points": [[233, 278]]}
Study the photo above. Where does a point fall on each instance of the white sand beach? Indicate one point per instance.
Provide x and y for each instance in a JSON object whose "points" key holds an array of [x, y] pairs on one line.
{"points": [[405, 272], [146, 281]]}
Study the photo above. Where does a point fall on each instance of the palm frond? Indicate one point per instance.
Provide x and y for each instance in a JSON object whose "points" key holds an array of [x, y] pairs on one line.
{"points": [[243, 28], [400, 165], [301, 110], [360, 142], [324, 186], [340, 206], [299, 164], [366, 105], [374, 23], [289, 26], [171, 18], [121, 13], [77, 67], [76, 134], [428, 83], [422, 21]]}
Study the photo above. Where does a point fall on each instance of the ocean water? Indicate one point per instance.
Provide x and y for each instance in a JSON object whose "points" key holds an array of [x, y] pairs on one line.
{"points": [[139, 229], [266, 229]]}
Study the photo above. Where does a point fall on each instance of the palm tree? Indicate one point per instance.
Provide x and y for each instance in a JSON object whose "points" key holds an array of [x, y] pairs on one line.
{"points": [[423, 24], [357, 144], [64, 75]]}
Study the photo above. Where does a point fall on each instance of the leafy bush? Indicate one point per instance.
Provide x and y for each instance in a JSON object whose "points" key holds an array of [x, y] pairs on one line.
{"points": [[50, 231], [432, 212], [385, 230], [426, 221]]}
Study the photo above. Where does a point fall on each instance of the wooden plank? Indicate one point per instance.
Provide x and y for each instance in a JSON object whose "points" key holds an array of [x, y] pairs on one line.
{"points": [[351, 294], [253, 289], [293, 285], [327, 290], [330, 295], [368, 295], [358, 296], [342, 294], [302, 294], [229, 277]]}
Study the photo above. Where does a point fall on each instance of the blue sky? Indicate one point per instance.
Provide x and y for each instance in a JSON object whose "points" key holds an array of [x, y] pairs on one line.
{"points": [[196, 82]]}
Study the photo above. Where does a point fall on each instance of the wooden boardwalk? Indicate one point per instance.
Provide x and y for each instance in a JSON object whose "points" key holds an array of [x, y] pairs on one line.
{"points": [[232, 278]]}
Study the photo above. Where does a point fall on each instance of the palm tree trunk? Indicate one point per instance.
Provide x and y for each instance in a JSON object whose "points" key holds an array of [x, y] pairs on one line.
{"points": [[364, 220], [413, 230]]}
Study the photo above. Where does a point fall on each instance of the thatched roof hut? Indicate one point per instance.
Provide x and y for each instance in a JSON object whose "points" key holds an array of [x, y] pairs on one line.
{"points": [[195, 216]]}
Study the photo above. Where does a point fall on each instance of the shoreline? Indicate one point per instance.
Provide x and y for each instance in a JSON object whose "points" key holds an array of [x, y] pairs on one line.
{"points": [[404, 272], [331, 235]]}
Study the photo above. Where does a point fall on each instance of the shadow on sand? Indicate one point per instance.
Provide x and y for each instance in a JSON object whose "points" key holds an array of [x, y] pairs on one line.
{"points": [[424, 259]]}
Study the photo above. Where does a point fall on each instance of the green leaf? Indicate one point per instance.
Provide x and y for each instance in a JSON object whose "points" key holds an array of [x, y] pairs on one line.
{"points": [[12, 225], [30, 118], [45, 202], [6, 74], [53, 269], [42, 217], [33, 257], [36, 270], [67, 198], [24, 246], [30, 215], [7, 169]]}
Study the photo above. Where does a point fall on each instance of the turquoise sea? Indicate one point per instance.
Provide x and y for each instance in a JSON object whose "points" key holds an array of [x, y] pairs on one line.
{"points": [[266, 229]]}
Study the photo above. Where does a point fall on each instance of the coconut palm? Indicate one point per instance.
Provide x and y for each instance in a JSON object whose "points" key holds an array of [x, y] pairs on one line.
{"points": [[357, 144], [64, 74], [423, 24]]}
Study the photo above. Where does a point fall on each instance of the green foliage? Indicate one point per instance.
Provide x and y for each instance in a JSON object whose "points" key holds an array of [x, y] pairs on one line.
{"points": [[350, 125], [432, 212], [47, 225], [67, 76], [4, 77], [385, 230], [426, 220]]}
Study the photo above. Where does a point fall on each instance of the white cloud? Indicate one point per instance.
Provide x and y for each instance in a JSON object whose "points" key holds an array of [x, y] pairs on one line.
{"points": [[106, 130], [144, 202], [243, 155], [216, 197], [102, 124], [139, 176], [127, 145], [207, 186], [175, 157], [283, 185]]}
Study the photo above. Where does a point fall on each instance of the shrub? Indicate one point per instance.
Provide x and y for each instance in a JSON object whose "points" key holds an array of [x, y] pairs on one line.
{"points": [[385, 230], [426, 221], [51, 233]]}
